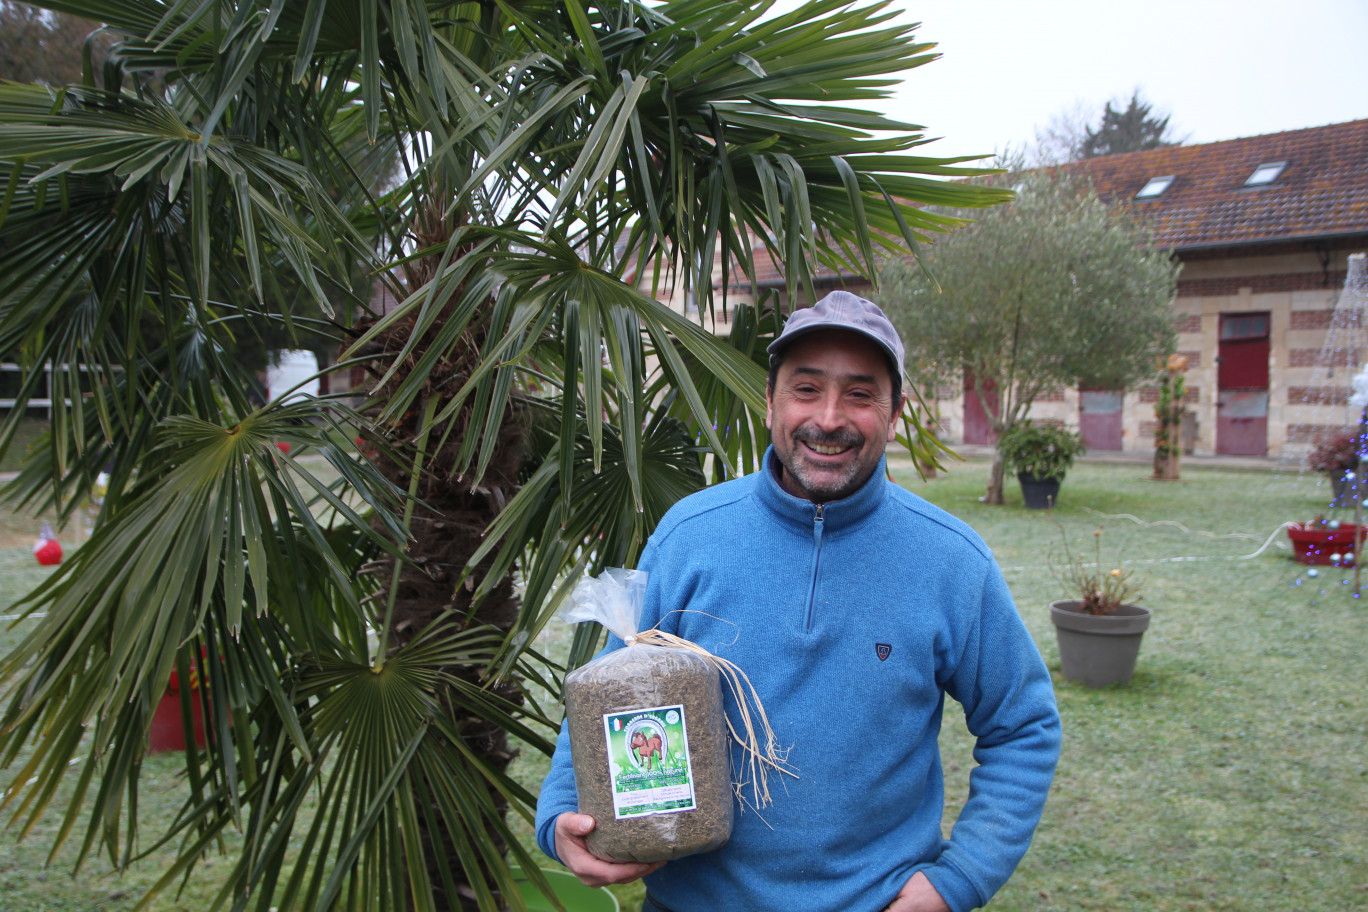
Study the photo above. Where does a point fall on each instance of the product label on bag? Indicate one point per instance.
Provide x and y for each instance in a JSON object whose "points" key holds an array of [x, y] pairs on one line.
{"points": [[648, 761]]}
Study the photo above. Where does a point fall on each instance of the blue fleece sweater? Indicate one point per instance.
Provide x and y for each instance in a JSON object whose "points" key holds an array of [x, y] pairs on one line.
{"points": [[852, 621]]}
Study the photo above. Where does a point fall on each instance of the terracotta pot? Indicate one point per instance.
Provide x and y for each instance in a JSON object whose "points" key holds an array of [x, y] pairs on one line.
{"points": [[1098, 649]]}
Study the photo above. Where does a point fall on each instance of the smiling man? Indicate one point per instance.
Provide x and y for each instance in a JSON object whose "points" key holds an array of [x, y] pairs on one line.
{"points": [[833, 396], [855, 608]]}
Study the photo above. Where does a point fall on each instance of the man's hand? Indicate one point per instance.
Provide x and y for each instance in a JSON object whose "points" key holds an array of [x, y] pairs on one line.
{"points": [[591, 870], [917, 895]]}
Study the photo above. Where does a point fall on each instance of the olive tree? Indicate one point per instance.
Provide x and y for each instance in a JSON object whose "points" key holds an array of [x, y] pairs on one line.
{"points": [[1051, 290]]}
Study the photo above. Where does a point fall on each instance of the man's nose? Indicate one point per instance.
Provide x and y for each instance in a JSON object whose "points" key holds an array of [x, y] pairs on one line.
{"points": [[829, 415]]}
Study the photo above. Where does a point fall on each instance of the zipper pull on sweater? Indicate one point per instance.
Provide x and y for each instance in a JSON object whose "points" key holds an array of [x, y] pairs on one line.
{"points": [[817, 524]]}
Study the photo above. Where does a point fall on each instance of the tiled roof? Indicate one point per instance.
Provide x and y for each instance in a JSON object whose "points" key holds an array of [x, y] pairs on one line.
{"points": [[1322, 192], [768, 274]]}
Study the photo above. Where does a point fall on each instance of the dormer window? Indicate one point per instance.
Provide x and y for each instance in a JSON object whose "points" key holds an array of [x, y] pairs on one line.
{"points": [[1265, 174], [1156, 187]]}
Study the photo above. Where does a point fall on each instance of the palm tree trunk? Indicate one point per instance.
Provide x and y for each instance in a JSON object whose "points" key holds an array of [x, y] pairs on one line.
{"points": [[446, 528]]}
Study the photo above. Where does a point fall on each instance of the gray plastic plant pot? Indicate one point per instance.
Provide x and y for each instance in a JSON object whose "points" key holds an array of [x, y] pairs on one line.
{"points": [[1098, 650]]}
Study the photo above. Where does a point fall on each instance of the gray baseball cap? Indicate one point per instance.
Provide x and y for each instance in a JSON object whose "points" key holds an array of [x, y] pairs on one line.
{"points": [[843, 310]]}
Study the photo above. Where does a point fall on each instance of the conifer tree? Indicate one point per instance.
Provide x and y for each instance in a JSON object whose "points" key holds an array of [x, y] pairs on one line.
{"points": [[1131, 130]]}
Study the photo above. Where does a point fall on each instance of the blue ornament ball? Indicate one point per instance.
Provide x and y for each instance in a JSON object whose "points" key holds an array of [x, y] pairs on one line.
{"points": [[1313, 572]]}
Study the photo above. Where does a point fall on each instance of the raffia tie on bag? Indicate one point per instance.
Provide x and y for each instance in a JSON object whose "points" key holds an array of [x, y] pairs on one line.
{"points": [[760, 761]]}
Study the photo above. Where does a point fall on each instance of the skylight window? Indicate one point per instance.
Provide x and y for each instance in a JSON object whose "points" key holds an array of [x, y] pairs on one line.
{"points": [[1155, 187], [1265, 174]]}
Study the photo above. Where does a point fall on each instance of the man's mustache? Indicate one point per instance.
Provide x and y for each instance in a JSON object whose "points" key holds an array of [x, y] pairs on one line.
{"points": [[812, 436]]}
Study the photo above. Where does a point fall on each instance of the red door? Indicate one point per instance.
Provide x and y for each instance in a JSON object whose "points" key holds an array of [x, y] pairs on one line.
{"points": [[1099, 418], [977, 428], [1242, 385]]}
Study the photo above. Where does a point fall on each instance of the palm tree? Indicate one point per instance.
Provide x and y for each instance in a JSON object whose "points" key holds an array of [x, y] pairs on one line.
{"points": [[500, 168]]}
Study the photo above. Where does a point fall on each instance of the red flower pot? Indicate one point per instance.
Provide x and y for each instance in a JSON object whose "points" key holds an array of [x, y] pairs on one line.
{"points": [[1316, 544], [168, 733]]}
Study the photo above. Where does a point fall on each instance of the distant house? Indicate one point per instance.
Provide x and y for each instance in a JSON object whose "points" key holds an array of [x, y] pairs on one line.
{"points": [[1263, 227]]}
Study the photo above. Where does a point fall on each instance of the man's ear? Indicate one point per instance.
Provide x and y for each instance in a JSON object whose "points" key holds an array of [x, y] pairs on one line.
{"points": [[769, 407], [893, 421]]}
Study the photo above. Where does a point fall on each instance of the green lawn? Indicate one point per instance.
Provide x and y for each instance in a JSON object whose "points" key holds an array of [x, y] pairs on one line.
{"points": [[29, 430], [27, 881], [1231, 775]]}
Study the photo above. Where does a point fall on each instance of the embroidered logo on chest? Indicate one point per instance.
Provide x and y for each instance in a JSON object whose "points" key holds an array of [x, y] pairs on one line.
{"points": [[883, 650]]}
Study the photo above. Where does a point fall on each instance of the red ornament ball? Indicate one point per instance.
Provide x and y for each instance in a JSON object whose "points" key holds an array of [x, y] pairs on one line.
{"points": [[48, 551]]}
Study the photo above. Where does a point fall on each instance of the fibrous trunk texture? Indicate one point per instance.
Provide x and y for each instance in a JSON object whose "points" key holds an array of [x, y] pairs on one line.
{"points": [[447, 527]]}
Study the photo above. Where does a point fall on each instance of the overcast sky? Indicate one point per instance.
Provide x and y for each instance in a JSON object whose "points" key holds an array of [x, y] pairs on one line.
{"points": [[1222, 68]]}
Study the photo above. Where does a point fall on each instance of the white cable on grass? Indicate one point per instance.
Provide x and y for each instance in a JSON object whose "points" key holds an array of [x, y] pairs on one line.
{"points": [[1170, 522], [1176, 560]]}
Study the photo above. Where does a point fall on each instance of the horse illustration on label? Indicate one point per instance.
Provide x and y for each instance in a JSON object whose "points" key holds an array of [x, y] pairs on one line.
{"points": [[647, 745]]}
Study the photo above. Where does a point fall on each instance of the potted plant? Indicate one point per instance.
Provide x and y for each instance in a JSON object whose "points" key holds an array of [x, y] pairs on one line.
{"points": [[1168, 415], [1099, 629], [1327, 542], [1337, 457], [168, 732], [1041, 455]]}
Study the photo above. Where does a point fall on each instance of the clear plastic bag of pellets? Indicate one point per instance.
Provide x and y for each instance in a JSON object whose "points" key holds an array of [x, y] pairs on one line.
{"points": [[648, 737]]}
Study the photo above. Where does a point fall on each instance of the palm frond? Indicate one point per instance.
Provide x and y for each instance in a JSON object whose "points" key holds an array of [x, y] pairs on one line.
{"points": [[524, 179]]}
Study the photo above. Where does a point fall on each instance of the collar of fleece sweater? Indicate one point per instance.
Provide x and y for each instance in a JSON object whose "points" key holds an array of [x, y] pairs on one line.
{"points": [[836, 514]]}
